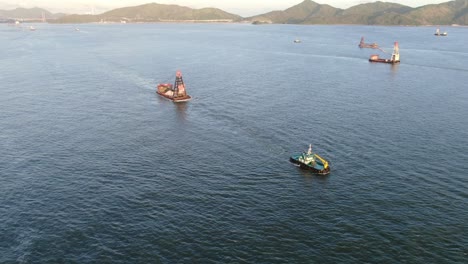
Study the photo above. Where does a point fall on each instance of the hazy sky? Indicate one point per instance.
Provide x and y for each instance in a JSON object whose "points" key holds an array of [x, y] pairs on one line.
{"points": [[240, 7]]}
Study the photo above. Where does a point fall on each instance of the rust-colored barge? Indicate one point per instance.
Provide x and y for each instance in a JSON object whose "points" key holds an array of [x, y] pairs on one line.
{"points": [[177, 92], [362, 44], [393, 60]]}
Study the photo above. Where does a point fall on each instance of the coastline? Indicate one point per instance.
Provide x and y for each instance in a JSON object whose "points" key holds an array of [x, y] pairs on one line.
{"points": [[225, 21]]}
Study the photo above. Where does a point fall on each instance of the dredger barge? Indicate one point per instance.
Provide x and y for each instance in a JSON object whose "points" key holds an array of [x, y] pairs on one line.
{"points": [[177, 92], [393, 60], [362, 44]]}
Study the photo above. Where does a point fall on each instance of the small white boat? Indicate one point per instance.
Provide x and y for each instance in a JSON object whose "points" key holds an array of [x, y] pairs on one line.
{"points": [[31, 28], [438, 33], [297, 41]]}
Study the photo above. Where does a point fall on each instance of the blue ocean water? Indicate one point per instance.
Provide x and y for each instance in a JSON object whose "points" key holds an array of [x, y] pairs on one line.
{"points": [[96, 168]]}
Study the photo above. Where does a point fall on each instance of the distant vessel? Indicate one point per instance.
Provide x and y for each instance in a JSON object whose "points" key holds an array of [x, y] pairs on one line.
{"points": [[77, 29], [176, 92], [297, 41], [394, 59], [311, 161], [437, 33], [362, 44], [31, 28]]}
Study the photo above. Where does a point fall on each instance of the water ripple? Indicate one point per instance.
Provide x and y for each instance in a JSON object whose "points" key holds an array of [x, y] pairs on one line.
{"points": [[97, 168]]}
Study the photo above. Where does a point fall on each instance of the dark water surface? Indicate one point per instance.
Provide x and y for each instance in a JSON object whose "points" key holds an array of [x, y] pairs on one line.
{"points": [[96, 168]]}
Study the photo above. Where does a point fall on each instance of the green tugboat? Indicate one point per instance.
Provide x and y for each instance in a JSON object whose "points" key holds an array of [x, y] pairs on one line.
{"points": [[311, 161]]}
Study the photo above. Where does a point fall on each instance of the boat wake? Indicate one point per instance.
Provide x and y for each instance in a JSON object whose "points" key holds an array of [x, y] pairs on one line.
{"points": [[126, 73]]}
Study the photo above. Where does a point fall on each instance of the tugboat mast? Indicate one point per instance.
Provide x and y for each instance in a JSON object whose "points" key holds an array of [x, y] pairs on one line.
{"points": [[309, 151]]}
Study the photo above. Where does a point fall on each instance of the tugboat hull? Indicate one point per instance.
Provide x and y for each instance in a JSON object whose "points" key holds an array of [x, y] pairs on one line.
{"points": [[317, 169]]}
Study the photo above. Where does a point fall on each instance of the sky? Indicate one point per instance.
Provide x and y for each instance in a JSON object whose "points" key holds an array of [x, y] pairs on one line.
{"points": [[239, 7]]}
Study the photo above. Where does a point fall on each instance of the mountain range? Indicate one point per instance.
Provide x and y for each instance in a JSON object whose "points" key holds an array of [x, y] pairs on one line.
{"points": [[377, 13], [29, 14], [307, 12]]}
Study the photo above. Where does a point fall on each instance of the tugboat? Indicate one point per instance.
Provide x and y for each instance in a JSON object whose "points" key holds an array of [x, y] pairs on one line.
{"points": [[362, 44], [311, 161], [176, 92], [395, 56], [437, 33]]}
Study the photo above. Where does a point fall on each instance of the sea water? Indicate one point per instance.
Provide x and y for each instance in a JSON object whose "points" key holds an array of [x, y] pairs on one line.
{"points": [[95, 167]]}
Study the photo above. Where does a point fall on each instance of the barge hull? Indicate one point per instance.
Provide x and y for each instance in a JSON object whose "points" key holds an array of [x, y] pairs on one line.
{"points": [[384, 61], [179, 99]]}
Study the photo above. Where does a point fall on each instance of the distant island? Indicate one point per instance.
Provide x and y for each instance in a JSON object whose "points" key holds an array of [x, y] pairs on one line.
{"points": [[377, 13], [28, 14], [307, 12]]}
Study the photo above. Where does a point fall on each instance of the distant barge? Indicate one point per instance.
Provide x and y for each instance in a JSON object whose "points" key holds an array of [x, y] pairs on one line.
{"points": [[362, 44], [177, 92], [393, 60], [311, 161]]}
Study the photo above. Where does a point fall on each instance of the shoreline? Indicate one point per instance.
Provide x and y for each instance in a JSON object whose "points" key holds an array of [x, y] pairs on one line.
{"points": [[225, 22]]}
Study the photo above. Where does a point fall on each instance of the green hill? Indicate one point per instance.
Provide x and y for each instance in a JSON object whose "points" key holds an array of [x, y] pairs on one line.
{"points": [[454, 12], [372, 13], [377, 13], [154, 13], [27, 13], [302, 13]]}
